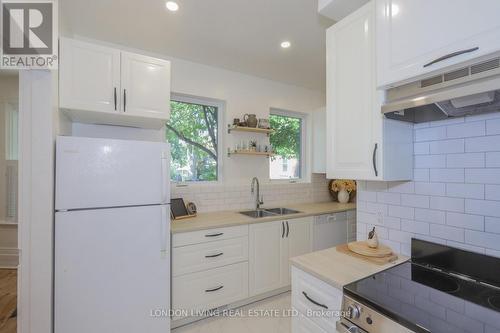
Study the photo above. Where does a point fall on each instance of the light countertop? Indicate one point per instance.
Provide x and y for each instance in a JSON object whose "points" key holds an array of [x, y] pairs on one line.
{"points": [[232, 218], [339, 269]]}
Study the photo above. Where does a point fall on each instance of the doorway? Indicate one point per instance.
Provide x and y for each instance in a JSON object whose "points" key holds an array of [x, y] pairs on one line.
{"points": [[9, 185]]}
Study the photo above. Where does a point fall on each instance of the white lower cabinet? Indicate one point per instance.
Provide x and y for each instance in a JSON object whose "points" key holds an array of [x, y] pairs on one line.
{"points": [[210, 289], [318, 301], [271, 246], [302, 324]]}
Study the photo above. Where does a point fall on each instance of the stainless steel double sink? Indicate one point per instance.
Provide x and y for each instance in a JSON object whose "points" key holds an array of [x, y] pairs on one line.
{"points": [[259, 213]]}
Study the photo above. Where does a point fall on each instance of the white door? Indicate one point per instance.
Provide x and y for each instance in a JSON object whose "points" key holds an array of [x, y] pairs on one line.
{"points": [[267, 250], [414, 34], [145, 86], [299, 237], [92, 173], [354, 121], [112, 270], [89, 77]]}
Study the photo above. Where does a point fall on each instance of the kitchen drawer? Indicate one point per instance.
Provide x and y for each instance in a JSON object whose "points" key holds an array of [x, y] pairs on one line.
{"points": [[209, 235], [313, 296], [210, 289], [199, 257], [302, 324]]}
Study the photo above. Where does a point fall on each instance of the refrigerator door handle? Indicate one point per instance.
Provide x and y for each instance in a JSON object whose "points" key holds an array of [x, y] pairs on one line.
{"points": [[164, 180], [163, 232]]}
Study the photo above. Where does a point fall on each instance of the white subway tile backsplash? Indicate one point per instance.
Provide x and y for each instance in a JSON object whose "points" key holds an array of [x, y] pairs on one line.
{"points": [[446, 232], [430, 161], [447, 146], [471, 191], [492, 224], [482, 176], [454, 197], [465, 221], [493, 160], [429, 134], [430, 188], [447, 175], [402, 212], [448, 204], [468, 160], [431, 216], [466, 130], [482, 144], [483, 239], [421, 148], [414, 200], [482, 207], [492, 192], [493, 127]]}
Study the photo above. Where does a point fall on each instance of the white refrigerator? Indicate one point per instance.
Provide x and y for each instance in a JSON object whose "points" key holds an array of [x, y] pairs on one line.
{"points": [[112, 236]]}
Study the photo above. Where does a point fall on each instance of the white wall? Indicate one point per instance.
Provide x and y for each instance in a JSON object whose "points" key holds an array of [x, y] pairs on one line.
{"points": [[455, 196], [241, 94], [9, 92]]}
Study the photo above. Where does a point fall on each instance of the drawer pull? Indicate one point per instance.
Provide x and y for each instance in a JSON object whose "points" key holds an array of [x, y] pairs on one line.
{"points": [[314, 302], [214, 255], [215, 235], [215, 289], [451, 55]]}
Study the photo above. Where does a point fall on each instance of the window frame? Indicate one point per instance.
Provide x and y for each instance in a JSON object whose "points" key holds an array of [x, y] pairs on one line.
{"points": [[304, 146], [221, 113]]}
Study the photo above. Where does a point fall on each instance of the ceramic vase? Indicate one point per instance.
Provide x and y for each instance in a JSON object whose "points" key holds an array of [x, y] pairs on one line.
{"points": [[343, 196]]}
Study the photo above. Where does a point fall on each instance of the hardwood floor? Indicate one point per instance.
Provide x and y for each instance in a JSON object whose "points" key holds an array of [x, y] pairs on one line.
{"points": [[8, 300]]}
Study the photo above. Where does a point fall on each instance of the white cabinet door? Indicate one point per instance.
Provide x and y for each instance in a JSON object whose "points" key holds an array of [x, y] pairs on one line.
{"points": [[319, 141], [89, 77], [412, 34], [266, 257], [145, 85], [353, 119], [299, 241]]}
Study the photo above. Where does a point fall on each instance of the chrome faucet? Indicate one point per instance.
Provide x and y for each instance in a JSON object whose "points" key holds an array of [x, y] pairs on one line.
{"points": [[259, 200]]}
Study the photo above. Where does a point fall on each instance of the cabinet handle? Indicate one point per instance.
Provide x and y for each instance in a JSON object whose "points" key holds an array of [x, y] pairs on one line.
{"points": [[287, 229], [374, 158], [215, 289], [451, 55], [115, 98], [214, 255], [215, 235], [282, 229], [314, 302], [124, 100]]}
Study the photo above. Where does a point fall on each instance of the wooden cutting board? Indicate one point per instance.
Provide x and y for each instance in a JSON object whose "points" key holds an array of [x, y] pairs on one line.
{"points": [[363, 249], [376, 260]]}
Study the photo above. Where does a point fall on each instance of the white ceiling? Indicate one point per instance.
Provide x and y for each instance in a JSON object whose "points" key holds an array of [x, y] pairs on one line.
{"points": [[240, 35]]}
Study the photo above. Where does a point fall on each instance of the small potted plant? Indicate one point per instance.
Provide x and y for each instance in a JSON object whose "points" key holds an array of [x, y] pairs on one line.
{"points": [[343, 188]]}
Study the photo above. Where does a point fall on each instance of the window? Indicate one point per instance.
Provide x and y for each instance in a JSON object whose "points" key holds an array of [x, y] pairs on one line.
{"points": [[288, 143], [192, 132]]}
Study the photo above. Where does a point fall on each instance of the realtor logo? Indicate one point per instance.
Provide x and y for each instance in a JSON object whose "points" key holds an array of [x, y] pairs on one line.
{"points": [[29, 34]]}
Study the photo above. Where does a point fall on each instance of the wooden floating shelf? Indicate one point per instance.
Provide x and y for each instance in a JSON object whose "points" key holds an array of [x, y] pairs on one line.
{"points": [[249, 153], [249, 129]]}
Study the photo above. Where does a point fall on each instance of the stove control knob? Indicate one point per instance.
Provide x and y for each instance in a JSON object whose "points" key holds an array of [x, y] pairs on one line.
{"points": [[354, 311]]}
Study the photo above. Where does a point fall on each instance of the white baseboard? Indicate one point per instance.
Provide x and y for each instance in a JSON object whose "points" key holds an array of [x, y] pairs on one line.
{"points": [[9, 258]]}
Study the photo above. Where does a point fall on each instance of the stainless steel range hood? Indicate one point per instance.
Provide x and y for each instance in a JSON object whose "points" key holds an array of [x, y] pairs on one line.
{"points": [[467, 91]]}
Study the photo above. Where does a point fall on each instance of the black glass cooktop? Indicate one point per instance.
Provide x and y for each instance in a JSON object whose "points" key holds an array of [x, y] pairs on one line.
{"points": [[424, 298]]}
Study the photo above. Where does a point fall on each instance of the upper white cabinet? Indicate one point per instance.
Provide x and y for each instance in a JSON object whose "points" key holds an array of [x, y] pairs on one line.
{"points": [[144, 81], [103, 85], [319, 141], [417, 38], [89, 77], [361, 143]]}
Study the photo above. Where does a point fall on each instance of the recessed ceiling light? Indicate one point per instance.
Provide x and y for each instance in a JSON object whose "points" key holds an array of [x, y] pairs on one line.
{"points": [[286, 44], [172, 6]]}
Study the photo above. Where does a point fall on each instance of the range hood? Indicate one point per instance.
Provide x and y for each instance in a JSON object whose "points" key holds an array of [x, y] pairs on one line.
{"points": [[467, 91]]}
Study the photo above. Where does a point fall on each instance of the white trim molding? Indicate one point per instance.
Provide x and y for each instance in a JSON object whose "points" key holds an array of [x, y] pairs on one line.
{"points": [[37, 90]]}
